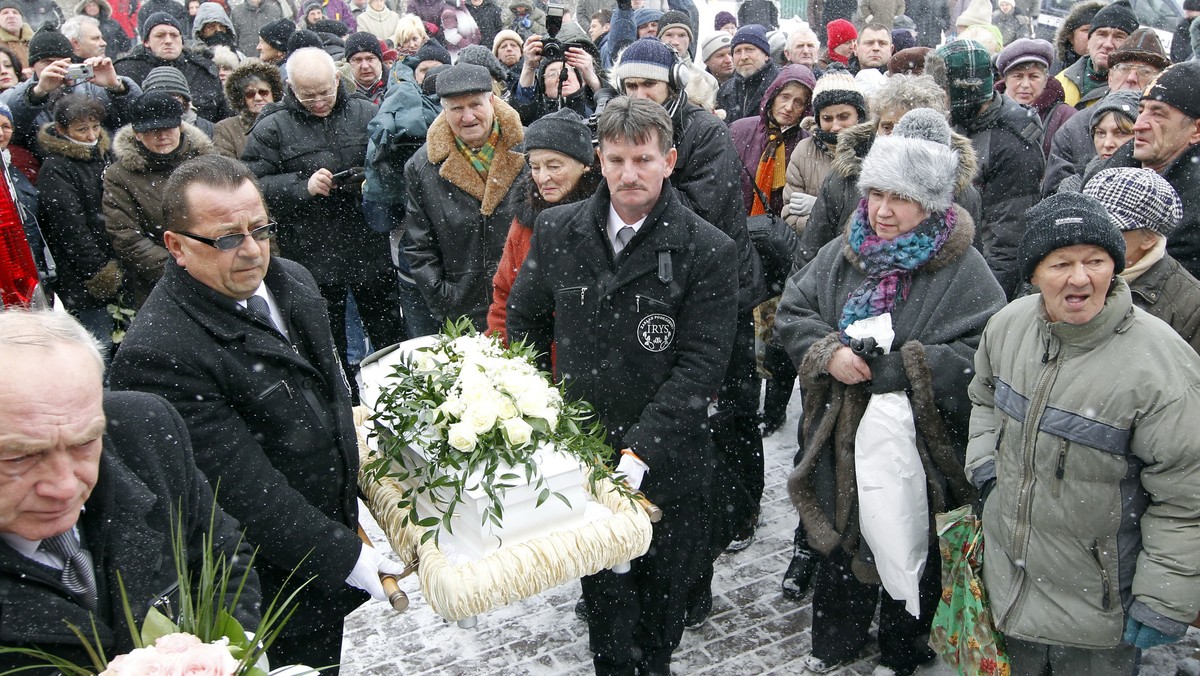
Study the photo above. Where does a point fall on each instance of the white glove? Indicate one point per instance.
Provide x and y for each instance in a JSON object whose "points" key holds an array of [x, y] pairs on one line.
{"points": [[801, 204], [632, 470], [367, 570]]}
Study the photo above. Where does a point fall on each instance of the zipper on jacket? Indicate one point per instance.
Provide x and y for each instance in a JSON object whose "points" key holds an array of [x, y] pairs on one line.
{"points": [[1060, 467], [1106, 595], [272, 389]]}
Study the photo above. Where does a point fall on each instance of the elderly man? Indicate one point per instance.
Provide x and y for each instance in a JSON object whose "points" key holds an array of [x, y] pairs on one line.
{"points": [[309, 153], [873, 49], [94, 485], [240, 344], [273, 41], [658, 308], [86, 39], [1166, 139], [1132, 67], [461, 200], [1109, 29], [32, 101], [754, 71], [803, 47], [717, 57], [365, 57], [162, 45], [1086, 460]]}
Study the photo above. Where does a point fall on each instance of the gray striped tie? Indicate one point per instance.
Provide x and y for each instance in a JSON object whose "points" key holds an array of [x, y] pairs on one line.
{"points": [[77, 576], [623, 236], [259, 308]]}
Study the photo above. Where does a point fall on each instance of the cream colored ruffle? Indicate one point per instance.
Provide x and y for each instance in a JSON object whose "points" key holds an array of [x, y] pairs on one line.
{"points": [[514, 572]]}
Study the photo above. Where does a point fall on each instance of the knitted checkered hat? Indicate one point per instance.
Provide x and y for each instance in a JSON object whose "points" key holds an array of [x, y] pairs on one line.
{"points": [[1136, 199]]}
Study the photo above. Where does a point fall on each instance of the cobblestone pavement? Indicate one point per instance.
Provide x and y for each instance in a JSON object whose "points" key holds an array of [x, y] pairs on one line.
{"points": [[752, 630]]}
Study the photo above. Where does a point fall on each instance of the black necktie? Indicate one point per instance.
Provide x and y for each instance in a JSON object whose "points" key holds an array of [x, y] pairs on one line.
{"points": [[77, 575], [259, 308]]}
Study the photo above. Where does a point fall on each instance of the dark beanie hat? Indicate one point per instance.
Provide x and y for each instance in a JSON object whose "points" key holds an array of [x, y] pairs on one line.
{"points": [[362, 41], [331, 26], [156, 110], [158, 19], [299, 39], [433, 50], [1177, 87], [1067, 219], [723, 19], [12, 4], [48, 43], [676, 19], [1118, 15], [168, 79], [1191, 5], [563, 131], [482, 56], [277, 33], [429, 84], [751, 34]]}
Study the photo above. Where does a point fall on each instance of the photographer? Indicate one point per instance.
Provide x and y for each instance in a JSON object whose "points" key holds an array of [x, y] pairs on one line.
{"points": [[554, 76], [55, 76]]}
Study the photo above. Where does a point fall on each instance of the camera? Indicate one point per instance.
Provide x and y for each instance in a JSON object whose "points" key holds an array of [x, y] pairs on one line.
{"points": [[79, 72], [552, 49]]}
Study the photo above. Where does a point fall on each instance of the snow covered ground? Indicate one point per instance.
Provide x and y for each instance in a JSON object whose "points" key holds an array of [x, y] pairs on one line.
{"points": [[752, 630]]}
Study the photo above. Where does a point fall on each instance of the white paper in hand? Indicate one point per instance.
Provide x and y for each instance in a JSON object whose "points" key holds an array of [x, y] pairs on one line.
{"points": [[893, 506]]}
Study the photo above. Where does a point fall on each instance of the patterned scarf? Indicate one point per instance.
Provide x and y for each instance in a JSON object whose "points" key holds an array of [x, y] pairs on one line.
{"points": [[889, 264], [481, 160], [772, 168]]}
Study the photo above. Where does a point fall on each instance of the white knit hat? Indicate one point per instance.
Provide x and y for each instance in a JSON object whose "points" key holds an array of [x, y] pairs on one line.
{"points": [[978, 13], [916, 162]]}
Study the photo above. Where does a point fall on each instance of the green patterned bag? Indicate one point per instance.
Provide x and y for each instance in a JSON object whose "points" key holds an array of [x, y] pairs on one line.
{"points": [[963, 632]]}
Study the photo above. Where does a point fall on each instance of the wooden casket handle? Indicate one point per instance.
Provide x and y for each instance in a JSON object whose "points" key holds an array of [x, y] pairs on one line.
{"points": [[395, 594]]}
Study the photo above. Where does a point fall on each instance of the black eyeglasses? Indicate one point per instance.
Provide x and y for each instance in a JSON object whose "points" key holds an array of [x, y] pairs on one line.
{"points": [[233, 241]]}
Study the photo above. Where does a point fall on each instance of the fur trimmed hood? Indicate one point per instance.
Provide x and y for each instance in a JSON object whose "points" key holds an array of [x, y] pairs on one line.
{"points": [[54, 144], [506, 164], [105, 8], [251, 68], [132, 156], [854, 144], [1078, 16]]}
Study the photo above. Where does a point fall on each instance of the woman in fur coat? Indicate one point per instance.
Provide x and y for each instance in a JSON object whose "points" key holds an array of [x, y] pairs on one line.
{"points": [[906, 250]]}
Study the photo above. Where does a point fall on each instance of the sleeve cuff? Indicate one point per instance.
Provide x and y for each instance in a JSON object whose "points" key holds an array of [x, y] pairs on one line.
{"points": [[1143, 613]]}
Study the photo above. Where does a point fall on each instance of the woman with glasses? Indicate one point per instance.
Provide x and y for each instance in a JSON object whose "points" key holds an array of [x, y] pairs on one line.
{"points": [[146, 152], [249, 89], [77, 150]]}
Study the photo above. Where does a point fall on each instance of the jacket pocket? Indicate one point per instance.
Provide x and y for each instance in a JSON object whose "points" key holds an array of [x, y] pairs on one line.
{"points": [[1060, 468], [1106, 583]]}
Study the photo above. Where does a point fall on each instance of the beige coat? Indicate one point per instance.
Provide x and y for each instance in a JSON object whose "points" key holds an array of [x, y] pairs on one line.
{"points": [[806, 171]]}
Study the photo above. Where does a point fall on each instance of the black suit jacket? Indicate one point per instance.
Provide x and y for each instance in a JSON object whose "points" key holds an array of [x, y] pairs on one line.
{"points": [[147, 473], [270, 420]]}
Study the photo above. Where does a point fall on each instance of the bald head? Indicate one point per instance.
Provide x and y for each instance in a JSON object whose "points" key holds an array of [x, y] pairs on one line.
{"points": [[312, 77]]}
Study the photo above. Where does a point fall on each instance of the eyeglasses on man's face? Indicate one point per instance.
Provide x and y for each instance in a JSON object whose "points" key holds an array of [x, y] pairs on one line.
{"points": [[234, 240]]}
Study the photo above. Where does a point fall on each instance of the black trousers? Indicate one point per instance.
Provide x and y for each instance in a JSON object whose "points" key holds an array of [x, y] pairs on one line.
{"points": [[737, 439], [635, 620], [378, 301], [317, 649], [843, 608]]}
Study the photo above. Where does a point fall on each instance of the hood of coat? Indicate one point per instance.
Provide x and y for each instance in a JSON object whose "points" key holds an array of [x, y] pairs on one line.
{"points": [[54, 144], [961, 239], [535, 12], [132, 155], [790, 73], [251, 69], [105, 8], [1079, 15], [854, 144], [211, 12], [506, 163]]}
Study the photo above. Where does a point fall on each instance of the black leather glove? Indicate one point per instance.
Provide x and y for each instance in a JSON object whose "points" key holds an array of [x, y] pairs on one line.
{"points": [[887, 374]]}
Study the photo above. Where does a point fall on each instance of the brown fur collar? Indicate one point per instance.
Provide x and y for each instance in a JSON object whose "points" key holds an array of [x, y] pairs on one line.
{"points": [[959, 241], [854, 144], [54, 144], [832, 412], [506, 165], [130, 155]]}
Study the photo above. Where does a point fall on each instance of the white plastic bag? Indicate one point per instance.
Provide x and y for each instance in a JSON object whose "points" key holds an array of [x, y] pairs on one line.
{"points": [[893, 506]]}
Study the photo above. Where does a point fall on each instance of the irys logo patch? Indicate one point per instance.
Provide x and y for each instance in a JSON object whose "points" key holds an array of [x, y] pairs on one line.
{"points": [[655, 332]]}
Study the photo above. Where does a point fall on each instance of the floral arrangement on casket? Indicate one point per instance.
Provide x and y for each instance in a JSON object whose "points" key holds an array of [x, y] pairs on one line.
{"points": [[468, 416]]}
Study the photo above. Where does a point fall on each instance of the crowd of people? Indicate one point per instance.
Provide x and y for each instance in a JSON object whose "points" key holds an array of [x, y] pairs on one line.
{"points": [[235, 203]]}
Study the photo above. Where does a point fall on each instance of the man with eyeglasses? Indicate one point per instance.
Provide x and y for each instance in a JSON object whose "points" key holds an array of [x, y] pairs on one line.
{"points": [[309, 153], [240, 344], [1131, 68]]}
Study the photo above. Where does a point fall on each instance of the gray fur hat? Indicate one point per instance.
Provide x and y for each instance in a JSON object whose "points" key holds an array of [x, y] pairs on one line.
{"points": [[916, 162]]}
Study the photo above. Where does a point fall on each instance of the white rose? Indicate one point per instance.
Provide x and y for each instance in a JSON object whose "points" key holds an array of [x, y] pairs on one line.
{"points": [[461, 437], [550, 415], [481, 416], [505, 407], [532, 401], [453, 408], [517, 431], [513, 382]]}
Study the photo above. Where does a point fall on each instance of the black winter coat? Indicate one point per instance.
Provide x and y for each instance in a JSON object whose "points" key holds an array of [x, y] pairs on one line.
{"points": [[707, 178], [931, 18], [740, 96], [147, 476], [1008, 141], [208, 94], [488, 16], [70, 213], [456, 223], [327, 235], [1184, 175], [270, 421], [645, 338]]}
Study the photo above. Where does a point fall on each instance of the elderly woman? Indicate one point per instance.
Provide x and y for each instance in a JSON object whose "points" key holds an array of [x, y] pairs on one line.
{"points": [[1147, 209], [764, 143], [906, 250], [1089, 484], [249, 89], [1024, 68], [562, 170]]}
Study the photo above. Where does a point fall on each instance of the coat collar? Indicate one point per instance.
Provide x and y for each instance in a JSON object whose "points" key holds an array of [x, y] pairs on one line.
{"points": [[133, 156], [506, 165], [54, 144]]}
